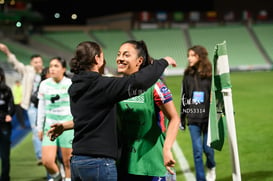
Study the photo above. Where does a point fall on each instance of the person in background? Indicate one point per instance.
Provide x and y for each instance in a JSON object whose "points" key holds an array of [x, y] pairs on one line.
{"points": [[30, 81], [7, 110], [93, 105], [44, 75], [17, 92], [148, 123], [53, 107], [195, 102]]}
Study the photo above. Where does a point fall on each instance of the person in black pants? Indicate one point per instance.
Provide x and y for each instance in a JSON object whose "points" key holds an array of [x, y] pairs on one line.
{"points": [[6, 112]]}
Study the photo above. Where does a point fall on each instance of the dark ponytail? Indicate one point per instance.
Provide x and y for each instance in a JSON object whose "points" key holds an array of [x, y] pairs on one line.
{"points": [[84, 58]]}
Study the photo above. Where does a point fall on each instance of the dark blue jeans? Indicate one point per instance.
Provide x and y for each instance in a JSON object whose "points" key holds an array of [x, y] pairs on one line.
{"points": [[86, 168], [199, 137], [5, 145]]}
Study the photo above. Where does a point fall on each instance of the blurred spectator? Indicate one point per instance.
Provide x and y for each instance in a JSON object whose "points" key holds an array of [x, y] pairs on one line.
{"points": [[44, 75], [31, 79], [6, 113], [194, 113], [17, 91], [54, 107]]}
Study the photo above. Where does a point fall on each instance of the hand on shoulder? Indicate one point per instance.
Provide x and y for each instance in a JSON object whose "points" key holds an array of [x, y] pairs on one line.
{"points": [[170, 61]]}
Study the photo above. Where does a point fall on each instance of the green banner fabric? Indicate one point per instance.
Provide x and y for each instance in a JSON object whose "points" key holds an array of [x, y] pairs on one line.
{"points": [[220, 80]]}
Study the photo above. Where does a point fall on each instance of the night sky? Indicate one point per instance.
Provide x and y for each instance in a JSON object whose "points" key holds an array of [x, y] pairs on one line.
{"points": [[87, 9]]}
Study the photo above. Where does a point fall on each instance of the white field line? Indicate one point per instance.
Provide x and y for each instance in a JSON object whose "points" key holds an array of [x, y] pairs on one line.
{"points": [[188, 174]]}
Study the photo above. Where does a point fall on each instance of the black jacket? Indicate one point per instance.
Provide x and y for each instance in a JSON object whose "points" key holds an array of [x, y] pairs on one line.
{"points": [[93, 98], [195, 112], [6, 103]]}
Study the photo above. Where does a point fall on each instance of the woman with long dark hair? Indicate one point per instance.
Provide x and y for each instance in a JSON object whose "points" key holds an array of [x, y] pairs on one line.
{"points": [[148, 123], [195, 102], [54, 107]]}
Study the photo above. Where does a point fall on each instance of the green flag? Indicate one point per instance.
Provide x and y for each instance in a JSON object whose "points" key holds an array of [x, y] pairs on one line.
{"points": [[221, 116], [220, 80]]}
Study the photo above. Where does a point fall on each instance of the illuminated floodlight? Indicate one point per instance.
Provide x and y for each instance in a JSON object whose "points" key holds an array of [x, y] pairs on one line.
{"points": [[74, 16], [18, 24], [57, 15]]}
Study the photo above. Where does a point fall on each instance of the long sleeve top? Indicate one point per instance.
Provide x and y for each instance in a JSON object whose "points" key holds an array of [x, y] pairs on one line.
{"points": [[29, 75], [93, 98], [195, 99], [6, 103]]}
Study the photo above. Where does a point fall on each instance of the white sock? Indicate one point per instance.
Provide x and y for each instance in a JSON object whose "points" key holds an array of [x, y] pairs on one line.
{"points": [[67, 179]]}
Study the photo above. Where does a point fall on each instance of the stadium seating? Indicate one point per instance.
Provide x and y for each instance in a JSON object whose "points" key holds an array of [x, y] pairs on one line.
{"points": [[110, 40], [165, 42], [264, 33], [243, 51]]}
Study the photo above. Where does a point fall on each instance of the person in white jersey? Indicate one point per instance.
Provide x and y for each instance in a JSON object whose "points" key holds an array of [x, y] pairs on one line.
{"points": [[54, 107]]}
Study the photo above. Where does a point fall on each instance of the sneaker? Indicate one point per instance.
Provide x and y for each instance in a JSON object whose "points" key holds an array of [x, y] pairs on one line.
{"points": [[211, 174], [56, 177]]}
